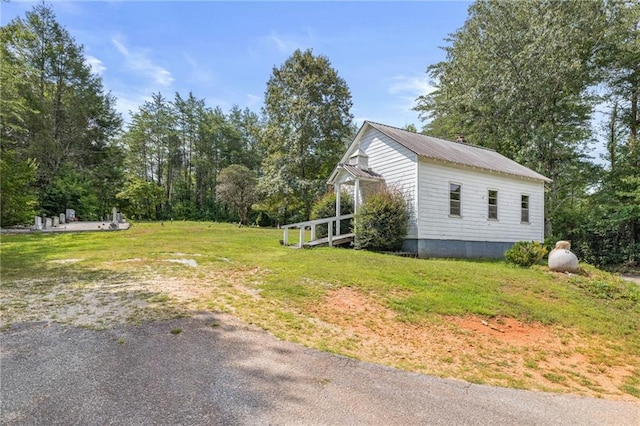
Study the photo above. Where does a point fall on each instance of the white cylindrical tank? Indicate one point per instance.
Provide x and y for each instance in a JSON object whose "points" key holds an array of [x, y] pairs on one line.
{"points": [[562, 259]]}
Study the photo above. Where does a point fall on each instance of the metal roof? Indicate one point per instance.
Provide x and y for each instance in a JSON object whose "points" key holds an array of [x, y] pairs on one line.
{"points": [[456, 152], [355, 171]]}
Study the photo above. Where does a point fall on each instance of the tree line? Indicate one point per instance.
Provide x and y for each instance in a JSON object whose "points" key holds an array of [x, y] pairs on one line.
{"points": [[523, 78], [175, 153], [65, 146]]}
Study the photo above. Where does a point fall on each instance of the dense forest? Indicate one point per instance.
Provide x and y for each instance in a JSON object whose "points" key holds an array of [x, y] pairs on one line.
{"points": [[523, 78]]}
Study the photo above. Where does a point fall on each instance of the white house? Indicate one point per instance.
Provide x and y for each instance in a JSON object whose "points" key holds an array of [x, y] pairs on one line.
{"points": [[465, 201]]}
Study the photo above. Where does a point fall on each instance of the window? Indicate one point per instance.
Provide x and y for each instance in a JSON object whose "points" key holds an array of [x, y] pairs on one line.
{"points": [[454, 199], [493, 204], [524, 212]]}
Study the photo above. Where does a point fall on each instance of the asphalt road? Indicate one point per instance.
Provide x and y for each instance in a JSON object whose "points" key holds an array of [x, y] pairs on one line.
{"points": [[218, 371]]}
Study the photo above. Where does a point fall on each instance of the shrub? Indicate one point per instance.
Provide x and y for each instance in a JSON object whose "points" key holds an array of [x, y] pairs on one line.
{"points": [[382, 221], [18, 201], [326, 207], [525, 253]]}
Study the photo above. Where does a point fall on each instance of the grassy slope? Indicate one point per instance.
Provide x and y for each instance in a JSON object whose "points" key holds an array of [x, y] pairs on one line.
{"points": [[290, 282]]}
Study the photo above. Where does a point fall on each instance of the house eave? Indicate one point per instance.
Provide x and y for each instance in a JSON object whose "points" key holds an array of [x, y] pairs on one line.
{"points": [[485, 169]]}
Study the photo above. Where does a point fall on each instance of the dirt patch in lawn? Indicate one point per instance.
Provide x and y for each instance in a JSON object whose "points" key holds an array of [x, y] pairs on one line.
{"points": [[100, 299], [497, 351]]}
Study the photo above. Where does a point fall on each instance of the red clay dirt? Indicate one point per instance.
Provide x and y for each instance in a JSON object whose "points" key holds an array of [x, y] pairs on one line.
{"points": [[498, 351]]}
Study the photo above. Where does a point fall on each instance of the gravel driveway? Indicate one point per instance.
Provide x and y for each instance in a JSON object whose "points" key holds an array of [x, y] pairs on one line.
{"points": [[213, 369], [631, 277]]}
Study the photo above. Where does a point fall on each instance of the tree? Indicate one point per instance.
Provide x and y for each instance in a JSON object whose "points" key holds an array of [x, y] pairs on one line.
{"points": [[139, 198], [307, 109], [237, 188], [620, 60], [18, 201], [410, 127], [249, 127], [182, 146], [605, 221], [190, 113], [54, 110], [13, 104], [516, 79], [71, 188]]}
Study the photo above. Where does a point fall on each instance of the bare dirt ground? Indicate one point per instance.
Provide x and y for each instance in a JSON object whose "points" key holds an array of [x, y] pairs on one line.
{"points": [[515, 354]]}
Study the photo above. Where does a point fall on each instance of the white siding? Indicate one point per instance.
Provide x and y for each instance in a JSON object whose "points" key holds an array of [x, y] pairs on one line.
{"points": [[474, 225], [396, 164]]}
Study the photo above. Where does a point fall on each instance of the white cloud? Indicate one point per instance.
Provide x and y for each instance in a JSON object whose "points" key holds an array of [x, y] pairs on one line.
{"points": [[138, 60], [121, 48], [285, 43], [97, 67], [282, 44], [414, 86], [406, 89]]}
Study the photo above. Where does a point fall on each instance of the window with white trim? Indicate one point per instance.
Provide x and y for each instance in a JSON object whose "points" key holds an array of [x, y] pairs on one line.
{"points": [[524, 209], [493, 204], [455, 199]]}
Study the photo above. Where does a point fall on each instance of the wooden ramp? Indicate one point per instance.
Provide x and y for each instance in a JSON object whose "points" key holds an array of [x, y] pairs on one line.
{"points": [[331, 222], [337, 240]]}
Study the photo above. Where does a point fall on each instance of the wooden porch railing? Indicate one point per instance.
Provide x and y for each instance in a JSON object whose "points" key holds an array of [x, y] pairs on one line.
{"points": [[312, 224]]}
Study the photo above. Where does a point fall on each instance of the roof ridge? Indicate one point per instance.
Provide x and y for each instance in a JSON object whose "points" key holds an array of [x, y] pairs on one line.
{"points": [[434, 137]]}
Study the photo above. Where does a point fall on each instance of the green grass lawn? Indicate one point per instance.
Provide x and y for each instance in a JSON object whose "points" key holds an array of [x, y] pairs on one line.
{"points": [[247, 272]]}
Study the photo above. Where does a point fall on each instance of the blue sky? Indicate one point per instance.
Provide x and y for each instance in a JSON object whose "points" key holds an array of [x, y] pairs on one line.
{"points": [[225, 51]]}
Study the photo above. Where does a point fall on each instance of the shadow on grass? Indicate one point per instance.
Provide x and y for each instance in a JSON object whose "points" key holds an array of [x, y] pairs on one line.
{"points": [[35, 255]]}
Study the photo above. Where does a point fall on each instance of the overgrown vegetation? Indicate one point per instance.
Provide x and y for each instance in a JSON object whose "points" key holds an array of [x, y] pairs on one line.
{"points": [[102, 279], [602, 287], [525, 253], [382, 221]]}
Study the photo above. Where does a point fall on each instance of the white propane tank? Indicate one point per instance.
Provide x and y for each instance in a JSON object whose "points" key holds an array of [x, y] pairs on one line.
{"points": [[562, 259]]}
